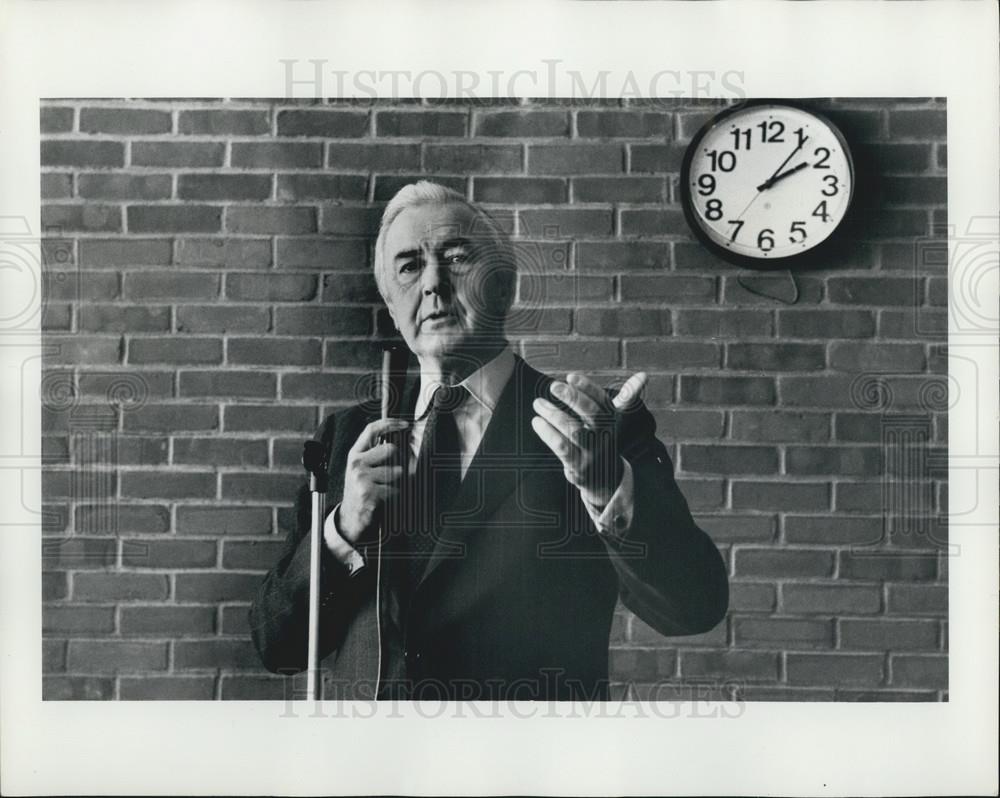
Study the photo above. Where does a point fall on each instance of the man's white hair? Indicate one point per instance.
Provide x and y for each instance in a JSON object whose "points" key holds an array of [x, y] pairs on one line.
{"points": [[502, 260]]}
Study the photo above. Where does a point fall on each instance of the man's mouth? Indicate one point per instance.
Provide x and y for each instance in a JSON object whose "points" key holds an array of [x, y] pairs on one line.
{"points": [[438, 315]]}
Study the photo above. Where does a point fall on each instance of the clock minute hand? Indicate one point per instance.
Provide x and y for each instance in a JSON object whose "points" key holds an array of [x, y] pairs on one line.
{"points": [[771, 180], [775, 178]]}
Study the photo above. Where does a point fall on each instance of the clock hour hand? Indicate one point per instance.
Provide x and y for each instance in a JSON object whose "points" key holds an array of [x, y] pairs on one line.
{"points": [[771, 180], [775, 178]]}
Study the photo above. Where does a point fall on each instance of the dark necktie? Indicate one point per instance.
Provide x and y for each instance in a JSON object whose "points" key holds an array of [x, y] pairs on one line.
{"points": [[436, 478]]}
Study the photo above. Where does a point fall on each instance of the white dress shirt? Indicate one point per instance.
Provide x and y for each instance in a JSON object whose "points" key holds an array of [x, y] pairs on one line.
{"points": [[472, 417]]}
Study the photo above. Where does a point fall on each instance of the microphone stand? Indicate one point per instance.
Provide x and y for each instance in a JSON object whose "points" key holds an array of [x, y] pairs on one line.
{"points": [[314, 460]]}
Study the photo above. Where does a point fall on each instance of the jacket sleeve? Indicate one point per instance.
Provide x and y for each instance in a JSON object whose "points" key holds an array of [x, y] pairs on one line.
{"points": [[670, 573], [279, 614]]}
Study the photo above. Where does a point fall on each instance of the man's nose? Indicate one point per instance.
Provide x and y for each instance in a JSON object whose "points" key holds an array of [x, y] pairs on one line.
{"points": [[436, 277]]}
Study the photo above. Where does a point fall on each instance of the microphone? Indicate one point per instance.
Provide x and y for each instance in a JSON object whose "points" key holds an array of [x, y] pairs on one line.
{"points": [[394, 361]]}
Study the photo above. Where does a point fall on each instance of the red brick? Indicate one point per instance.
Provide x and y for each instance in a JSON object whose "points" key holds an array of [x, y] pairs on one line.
{"points": [[534, 257], [269, 221], [671, 355], [244, 253], [270, 287], [222, 319], [729, 459], [215, 122], [216, 587], [177, 350], [821, 391], [53, 656], [324, 320], [56, 318], [54, 119], [168, 485], [784, 495], [872, 290], [564, 223], [171, 688], [651, 222], [622, 322], [775, 357], [251, 554], [563, 289], [55, 585], [876, 356], [739, 665], [703, 494], [919, 124], [123, 186], [836, 669], [113, 656], [251, 418], [575, 159], [56, 185], [76, 286], [386, 186], [779, 426], [224, 187], [255, 688], [323, 387], [87, 218], [77, 688], [174, 219], [783, 632], [78, 621], [223, 520], [220, 451], [159, 553], [655, 157], [724, 323], [184, 154], [78, 552], [235, 620], [731, 528], [786, 563], [421, 124], [826, 324], [527, 190], [765, 289], [82, 153], [277, 155], [885, 635], [888, 565], [674, 288], [745, 597], [228, 384], [275, 352], [833, 460], [727, 390], [833, 530], [377, 157], [322, 253], [280, 488], [136, 121], [119, 587], [622, 255], [831, 599], [128, 518], [522, 124], [619, 189], [322, 187], [570, 354], [642, 664], [918, 599], [466, 158], [173, 418], [125, 252], [83, 349], [911, 670], [349, 220], [622, 124], [326, 123]]}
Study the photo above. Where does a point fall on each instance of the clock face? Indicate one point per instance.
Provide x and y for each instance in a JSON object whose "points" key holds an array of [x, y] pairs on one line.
{"points": [[767, 182]]}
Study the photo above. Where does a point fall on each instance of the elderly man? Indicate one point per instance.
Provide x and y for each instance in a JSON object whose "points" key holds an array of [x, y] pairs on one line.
{"points": [[478, 543]]}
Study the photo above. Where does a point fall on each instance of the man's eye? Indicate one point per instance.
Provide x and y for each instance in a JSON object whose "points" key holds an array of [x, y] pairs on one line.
{"points": [[456, 257], [409, 267]]}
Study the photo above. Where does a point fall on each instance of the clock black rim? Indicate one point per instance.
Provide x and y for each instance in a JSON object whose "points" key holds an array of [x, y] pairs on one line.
{"points": [[796, 260]]}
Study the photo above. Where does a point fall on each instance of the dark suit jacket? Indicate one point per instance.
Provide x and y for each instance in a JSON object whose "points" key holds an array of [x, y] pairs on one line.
{"points": [[518, 597]]}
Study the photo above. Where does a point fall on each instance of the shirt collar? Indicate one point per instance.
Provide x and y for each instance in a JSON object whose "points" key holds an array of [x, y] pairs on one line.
{"points": [[485, 385]]}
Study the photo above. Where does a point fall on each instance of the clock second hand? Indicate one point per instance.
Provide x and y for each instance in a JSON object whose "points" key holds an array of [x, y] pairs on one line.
{"points": [[771, 180]]}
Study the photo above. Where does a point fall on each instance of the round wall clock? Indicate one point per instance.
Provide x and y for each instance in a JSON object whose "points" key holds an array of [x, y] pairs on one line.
{"points": [[765, 183]]}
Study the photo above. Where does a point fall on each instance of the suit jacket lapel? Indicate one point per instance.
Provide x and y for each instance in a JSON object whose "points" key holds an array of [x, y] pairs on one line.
{"points": [[508, 445]]}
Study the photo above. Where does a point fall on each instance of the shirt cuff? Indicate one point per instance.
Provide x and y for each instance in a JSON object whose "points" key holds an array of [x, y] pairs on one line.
{"points": [[616, 516], [343, 551]]}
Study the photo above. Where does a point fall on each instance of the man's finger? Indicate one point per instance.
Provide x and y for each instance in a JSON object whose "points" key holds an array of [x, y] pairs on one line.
{"points": [[386, 475], [583, 383], [561, 447], [629, 393], [578, 401], [565, 424], [378, 454], [369, 436]]}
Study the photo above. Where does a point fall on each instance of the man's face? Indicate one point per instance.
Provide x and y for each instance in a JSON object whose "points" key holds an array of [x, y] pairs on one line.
{"points": [[440, 279]]}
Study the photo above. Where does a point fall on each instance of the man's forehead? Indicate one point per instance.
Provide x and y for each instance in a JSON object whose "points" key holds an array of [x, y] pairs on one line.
{"points": [[431, 222]]}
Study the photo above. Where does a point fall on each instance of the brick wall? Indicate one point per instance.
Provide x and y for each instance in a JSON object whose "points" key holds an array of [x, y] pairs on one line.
{"points": [[208, 299]]}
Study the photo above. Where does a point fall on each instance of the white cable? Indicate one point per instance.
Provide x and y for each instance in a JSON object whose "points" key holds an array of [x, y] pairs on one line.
{"points": [[378, 613]]}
